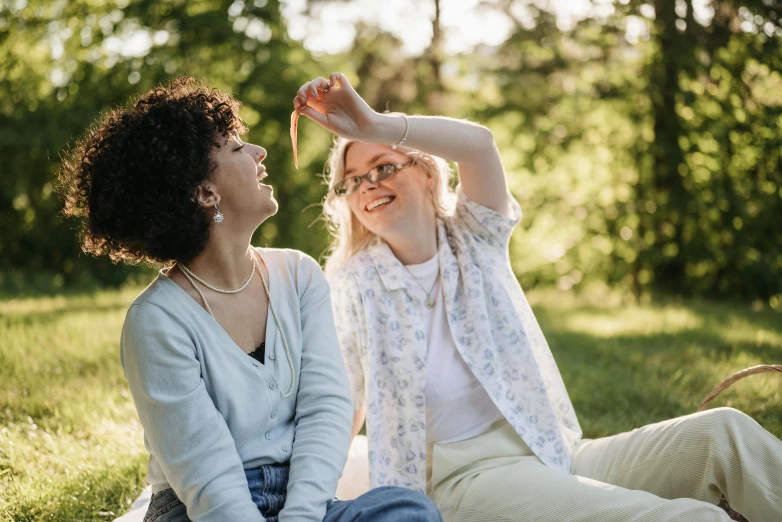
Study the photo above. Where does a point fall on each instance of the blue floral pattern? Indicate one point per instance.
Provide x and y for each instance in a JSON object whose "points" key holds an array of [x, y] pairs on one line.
{"points": [[383, 340]]}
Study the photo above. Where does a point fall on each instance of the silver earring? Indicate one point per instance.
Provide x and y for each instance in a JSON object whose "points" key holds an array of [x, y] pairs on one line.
{"points": [[218, 217]]}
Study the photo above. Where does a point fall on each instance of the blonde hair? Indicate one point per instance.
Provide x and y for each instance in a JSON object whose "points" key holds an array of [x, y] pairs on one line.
{"points": [[349, 236]]}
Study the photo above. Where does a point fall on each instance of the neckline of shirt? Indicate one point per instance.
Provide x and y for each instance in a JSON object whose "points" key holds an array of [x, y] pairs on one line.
{"points": [[422, 269]]}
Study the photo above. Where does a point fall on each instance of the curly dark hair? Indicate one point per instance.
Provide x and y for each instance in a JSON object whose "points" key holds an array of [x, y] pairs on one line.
{"points": [[133, 177]]}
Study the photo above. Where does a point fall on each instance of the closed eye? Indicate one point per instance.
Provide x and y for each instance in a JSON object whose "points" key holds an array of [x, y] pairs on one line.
{"points": [[239, 148]]}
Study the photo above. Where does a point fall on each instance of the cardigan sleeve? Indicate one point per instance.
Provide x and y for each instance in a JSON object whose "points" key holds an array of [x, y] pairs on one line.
{"points": [[323, 406], [184, 430]]}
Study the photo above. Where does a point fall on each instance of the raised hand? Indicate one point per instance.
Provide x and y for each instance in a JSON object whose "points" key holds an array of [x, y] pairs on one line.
{"points": [[336, 106]]}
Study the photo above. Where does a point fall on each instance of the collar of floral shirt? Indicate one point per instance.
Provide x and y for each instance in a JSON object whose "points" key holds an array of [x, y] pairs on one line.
{"points": [[394, 274]]}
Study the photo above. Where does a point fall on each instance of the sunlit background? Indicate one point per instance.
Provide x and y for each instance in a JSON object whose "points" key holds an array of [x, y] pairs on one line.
{"points": [[643, 140]]}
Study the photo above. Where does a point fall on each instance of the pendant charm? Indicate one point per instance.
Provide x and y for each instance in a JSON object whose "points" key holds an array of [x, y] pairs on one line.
{"points": [[429, 303]]}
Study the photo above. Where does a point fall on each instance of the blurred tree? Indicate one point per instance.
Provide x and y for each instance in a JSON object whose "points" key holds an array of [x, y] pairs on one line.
{"points": [[716, 151], [64, 62], [672, 58], [643, 141], [650, 164]]}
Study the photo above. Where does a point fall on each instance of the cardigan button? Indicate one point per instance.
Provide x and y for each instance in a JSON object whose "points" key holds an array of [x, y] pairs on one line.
{"points": [[274, 414], [272, 385], [268, 435], [284, 447], [272, 356]]}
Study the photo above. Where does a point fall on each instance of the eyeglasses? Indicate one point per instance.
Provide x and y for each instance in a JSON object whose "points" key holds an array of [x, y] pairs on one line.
{"points": [[376, 175]]}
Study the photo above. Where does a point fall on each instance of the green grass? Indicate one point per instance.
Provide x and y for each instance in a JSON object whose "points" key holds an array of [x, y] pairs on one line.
{"points": [[71, 445], [627, 365]]}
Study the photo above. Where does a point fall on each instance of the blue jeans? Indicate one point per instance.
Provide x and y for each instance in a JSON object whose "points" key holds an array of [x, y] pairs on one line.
{"points": [[268, 486]]}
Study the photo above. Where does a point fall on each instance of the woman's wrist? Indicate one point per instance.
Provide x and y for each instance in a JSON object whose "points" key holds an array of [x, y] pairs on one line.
{"points": [[388, 129]]}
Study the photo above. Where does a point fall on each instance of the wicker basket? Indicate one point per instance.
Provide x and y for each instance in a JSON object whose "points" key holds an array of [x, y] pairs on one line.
{"points": [[762, 368]]}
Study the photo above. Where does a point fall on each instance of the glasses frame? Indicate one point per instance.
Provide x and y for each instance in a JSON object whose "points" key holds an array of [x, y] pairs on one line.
{"points": [[369, 177]]}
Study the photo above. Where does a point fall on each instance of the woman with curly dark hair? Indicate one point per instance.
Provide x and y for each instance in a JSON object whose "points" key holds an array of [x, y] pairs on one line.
{"points": [[230, 353]]}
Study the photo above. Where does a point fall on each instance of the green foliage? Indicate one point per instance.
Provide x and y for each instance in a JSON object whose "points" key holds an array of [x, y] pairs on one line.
{"points": [[566, 113], [646, 165], [80, 68], [649, 165], [717, 166]]}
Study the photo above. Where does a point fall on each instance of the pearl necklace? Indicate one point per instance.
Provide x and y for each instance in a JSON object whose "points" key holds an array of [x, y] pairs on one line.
{"points": [[188, 273]]}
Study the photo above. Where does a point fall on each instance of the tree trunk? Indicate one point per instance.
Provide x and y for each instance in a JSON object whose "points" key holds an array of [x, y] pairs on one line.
{"points": [[668, 63]]}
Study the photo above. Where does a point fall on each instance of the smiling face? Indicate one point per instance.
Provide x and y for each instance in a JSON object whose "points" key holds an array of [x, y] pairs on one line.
{"points": [[237, 181], [395, 206]]}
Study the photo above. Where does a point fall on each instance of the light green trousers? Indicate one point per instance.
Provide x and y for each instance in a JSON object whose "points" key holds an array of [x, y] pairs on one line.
{"points": [[673, 470]]}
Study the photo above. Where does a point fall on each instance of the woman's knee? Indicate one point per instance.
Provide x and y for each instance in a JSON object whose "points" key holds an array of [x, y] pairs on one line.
{"points": [[421, 508], [734, 419], [396, 503], [165, 506], [720, 420]]}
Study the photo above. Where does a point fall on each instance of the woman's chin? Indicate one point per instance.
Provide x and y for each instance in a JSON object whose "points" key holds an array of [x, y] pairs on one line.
{"points": [[379, 227], [384, 220], [265, 209], [266, 193], [270, 208]]}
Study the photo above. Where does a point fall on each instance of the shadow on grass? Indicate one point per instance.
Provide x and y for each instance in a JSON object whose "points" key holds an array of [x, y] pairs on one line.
{"points": [[624, 380]]}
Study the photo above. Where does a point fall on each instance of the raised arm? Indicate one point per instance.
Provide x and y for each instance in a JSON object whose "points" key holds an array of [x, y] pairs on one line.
{"points": [[468, 144], [335, 105]]}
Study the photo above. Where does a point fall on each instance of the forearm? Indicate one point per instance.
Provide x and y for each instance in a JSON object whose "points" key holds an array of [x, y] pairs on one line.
{"points": [[470, 145], [323, 409], [455, 140], [319, 454]]}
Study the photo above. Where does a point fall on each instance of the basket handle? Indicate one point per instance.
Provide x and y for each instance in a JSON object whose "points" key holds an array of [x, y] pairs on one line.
{"points": [[761, 368]]}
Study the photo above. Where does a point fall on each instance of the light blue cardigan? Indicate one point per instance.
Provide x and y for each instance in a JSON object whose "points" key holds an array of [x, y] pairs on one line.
{"points": [[209, 410]]}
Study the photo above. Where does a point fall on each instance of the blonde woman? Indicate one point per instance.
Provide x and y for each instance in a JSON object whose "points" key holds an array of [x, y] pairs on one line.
{"points": [[460, 391]]}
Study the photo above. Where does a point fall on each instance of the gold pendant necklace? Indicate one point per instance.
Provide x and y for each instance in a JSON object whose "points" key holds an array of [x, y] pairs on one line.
{"points": [[430, 301]]}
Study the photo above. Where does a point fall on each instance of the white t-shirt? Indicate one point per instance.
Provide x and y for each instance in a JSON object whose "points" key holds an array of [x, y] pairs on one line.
{"points": [[457, 406]]}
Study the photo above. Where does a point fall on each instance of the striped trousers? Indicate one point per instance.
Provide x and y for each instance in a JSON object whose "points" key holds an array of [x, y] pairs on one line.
{"points": [[675, 470]]}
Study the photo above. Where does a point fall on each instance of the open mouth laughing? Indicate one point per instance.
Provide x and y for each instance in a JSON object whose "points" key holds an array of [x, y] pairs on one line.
{"points": [[261, 176], [378, 203]]}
